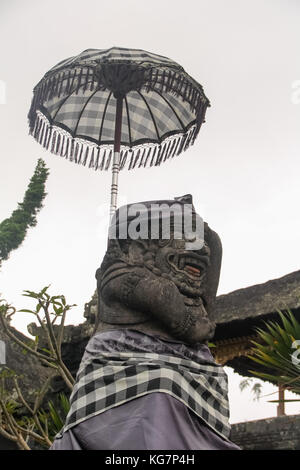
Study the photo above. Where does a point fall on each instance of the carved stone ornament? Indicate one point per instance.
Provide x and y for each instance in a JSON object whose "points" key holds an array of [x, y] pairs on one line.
{"points": [[157, 285]]}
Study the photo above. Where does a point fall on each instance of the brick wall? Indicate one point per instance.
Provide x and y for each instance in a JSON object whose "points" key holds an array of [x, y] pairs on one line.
{"points": [[268, 434]]}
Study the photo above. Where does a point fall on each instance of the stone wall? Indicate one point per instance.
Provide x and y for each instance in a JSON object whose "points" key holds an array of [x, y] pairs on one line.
{"points": [[281, 433]]}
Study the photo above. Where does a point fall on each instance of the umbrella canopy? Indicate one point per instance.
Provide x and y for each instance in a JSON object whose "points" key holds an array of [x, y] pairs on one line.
{"points": [[143, 106]]}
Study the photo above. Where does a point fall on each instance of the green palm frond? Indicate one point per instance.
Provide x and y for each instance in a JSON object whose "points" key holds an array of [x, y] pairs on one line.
{"points": [[56, 416], [275, 351]]}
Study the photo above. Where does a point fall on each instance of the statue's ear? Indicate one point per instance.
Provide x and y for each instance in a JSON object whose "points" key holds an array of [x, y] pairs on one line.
{"points": [[214, 269]]}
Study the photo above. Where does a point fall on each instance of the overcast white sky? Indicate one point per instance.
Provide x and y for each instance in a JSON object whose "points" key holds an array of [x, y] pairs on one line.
{"points": [[243, 170]]}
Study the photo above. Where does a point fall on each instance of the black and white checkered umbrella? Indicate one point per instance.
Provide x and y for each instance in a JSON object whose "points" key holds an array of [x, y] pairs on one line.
{"points": [[117, 107]]}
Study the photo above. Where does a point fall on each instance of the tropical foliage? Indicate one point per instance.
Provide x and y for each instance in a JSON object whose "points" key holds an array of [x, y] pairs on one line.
{"points": [[21, 421], [279, 352], [256, 388]]}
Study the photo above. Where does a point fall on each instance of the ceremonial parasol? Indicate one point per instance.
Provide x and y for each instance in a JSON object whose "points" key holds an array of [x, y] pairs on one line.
{"points": [[117, 107]]}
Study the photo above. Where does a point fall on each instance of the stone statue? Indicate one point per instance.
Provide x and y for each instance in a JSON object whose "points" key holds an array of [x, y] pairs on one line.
{"points": [[157, 286], [147, 379]]}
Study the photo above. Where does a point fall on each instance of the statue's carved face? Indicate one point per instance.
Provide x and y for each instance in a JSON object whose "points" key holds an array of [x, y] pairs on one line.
{"points": [[167, 258], [186, 268]]}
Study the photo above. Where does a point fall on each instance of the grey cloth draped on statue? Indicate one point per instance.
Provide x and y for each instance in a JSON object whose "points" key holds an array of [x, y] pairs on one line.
{"points": [[146, 418]]}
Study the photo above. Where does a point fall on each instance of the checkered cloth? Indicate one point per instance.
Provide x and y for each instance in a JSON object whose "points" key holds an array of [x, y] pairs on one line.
{"points": [[74, 106], [111, 379]]}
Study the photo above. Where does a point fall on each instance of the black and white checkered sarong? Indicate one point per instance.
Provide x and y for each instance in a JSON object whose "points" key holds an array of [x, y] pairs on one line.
{"points": [[110, 379]]}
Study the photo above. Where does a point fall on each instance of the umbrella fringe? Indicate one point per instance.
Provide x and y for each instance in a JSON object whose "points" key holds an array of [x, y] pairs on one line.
{"points": [[80, 154], [124, 159], [187, 142], [63, 146], [142, 158], [57, 143], [177, 142], [38, 130], [37, 127], [172, 147], [122, 153], [85, 156], [42, 132], [72, 148], [110, 153], [32, 129], [97, 158], [157, 161], [66, 153], [103, 160], [46, 136], [77, 150], [63, 141], [50, 137], [190, 139], [160, 159], [136, 158], [91, 163], [53, 140], [147, 156], [181, 145], [131, 159], [166, 153], [153, 156]]}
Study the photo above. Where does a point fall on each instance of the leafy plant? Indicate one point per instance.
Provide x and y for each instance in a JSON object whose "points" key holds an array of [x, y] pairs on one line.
{"points": [[49, 310], [256, 388], [56, 416], [21, 421], [279, 352]]}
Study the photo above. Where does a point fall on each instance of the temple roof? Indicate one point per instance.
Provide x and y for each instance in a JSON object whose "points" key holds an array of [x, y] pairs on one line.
{"points": [[239, 311], [260, 299]]}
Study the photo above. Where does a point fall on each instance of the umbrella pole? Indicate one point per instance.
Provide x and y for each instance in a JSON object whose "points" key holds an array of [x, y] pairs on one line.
{"points": [[116, 160]]}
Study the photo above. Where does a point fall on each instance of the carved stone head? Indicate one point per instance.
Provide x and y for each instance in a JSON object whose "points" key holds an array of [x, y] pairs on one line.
{"points": [[159, 277]]}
